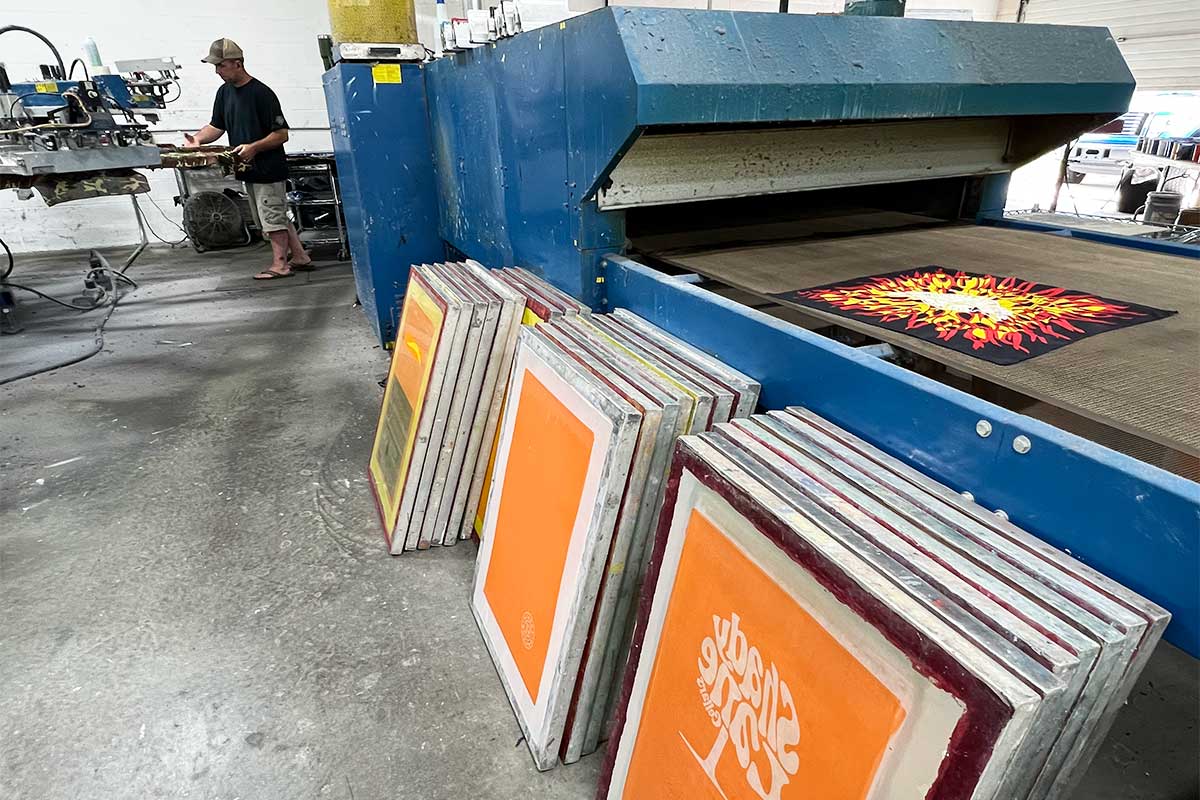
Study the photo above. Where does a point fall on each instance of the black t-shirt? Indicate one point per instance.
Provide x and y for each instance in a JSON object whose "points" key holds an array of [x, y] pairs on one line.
{"points": [[248, 113]]}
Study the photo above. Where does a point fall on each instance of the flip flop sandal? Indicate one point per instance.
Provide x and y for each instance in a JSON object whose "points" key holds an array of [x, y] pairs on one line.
{"points": [[270, 275], [309, 267]]}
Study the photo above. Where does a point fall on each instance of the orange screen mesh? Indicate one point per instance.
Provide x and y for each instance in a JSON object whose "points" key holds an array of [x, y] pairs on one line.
{"points": [[749, 697], [539, 502]]}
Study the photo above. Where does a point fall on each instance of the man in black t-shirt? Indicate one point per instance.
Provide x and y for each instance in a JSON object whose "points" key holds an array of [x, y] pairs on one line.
{"points": [[249, 112]]}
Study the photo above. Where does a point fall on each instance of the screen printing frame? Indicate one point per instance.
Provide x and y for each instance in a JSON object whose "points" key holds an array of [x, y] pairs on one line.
{"points": [[389, 495], [1128, 520], [1113, 614], [633, 514], [487, 416], [793, 552], [613, 425], [1031, 644], [478, 350], [442, 383]]}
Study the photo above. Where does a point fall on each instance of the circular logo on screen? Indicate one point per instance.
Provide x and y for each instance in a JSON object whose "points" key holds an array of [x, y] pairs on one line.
{"points": [[527, 630]]}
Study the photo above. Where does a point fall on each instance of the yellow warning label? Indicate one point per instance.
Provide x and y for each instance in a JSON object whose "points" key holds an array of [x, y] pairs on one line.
{"points": [[562, 26], [386, 73], [49, 86]]}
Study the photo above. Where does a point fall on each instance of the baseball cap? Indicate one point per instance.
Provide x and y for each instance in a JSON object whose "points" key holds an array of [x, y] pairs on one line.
{"points": [[223, 50]]}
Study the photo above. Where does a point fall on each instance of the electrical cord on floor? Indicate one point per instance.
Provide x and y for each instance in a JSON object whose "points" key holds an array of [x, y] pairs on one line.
{"points": [[89, 278], [7, 270], [52, 299], [117, 277], [97, 347]]}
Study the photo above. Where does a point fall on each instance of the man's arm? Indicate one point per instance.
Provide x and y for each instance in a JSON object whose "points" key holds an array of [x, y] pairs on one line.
{"points": [[203, 136], [269, 142]]}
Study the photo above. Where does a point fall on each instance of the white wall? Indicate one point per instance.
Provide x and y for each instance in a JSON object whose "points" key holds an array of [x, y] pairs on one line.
{"points": [[278, 36]]}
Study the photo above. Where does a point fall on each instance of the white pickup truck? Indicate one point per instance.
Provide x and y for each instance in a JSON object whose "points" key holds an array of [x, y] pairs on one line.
{"points": [[1106, 150], [1109, 149]]}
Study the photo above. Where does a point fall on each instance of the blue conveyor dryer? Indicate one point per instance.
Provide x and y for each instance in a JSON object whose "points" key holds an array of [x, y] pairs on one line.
{"points": [[575, 148], [380, 130]]}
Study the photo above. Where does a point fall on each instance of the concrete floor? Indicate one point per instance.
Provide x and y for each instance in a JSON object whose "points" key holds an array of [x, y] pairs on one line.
{"points": [[196, 597], [201, 604]]}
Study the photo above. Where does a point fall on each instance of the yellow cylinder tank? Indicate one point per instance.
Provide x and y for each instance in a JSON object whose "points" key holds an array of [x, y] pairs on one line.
{"points": [[392, 21]]}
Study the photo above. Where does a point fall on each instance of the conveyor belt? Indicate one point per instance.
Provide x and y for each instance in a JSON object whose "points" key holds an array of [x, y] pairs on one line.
{"points": [[1144, 380]]}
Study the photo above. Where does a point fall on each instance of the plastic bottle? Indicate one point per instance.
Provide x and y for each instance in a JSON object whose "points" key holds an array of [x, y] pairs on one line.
{"points": [[92, 52], [445, 31]]}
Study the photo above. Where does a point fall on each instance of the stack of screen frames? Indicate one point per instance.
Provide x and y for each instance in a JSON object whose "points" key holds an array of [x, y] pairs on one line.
{"points": [[543, 302], [594, 407], [706, 391], [442, 401], [819, 614], [548, 298]]}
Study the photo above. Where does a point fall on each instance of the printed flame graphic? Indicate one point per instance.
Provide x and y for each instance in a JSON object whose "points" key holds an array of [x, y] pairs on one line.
{"points": [[985, 310]]}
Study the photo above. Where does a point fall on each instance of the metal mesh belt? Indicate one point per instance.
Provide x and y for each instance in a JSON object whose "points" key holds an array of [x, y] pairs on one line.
{"points": [[1144, 380]]}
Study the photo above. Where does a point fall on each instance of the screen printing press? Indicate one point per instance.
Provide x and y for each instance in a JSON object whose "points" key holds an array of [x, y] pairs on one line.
{"points": [[793, 194], [71, 139]]}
